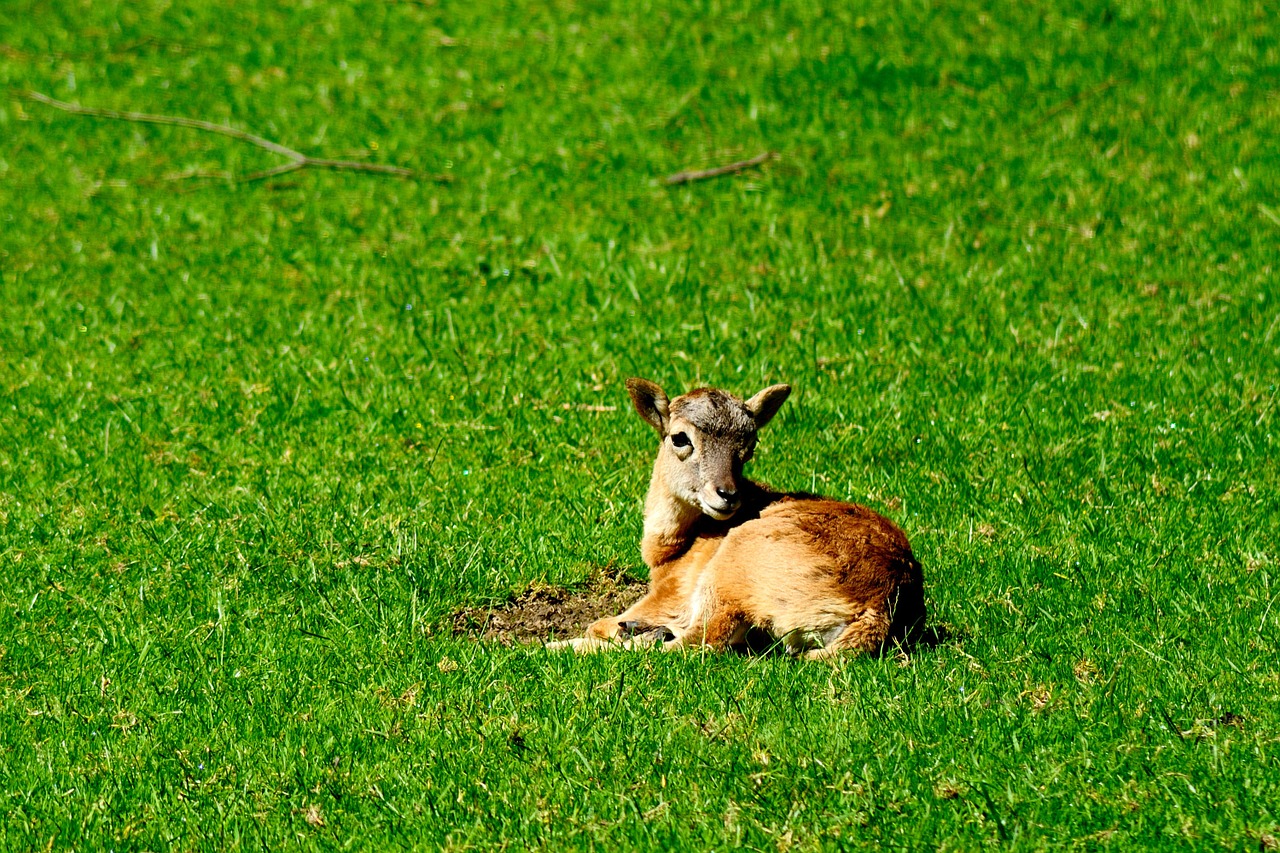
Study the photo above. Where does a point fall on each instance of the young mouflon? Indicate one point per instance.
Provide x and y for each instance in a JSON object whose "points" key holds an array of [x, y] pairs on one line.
{"points": [[727, 555]]}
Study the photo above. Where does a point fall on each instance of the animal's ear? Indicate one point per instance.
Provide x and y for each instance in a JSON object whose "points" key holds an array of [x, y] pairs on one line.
{"points": [[650, 402], [765, 405]]}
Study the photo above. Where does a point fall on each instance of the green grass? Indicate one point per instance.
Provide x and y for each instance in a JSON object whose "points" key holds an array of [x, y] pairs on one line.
{"points": [[258, 441]]}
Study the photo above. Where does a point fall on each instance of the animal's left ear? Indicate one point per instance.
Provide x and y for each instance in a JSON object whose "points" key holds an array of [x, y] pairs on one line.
{"points": [[765, 405]]}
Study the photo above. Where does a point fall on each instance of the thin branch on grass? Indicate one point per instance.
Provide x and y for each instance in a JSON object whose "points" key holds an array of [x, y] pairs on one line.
{"points": [[1074, 100], [729, 169], [297, 160]]}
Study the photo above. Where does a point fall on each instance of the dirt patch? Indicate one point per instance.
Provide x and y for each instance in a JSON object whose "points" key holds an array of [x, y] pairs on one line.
{"points": [[544, 613]]}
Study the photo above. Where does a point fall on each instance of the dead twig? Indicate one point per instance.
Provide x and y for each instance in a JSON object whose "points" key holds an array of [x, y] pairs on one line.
{"points": [[730, 169], [1073, 101], [297, 160]]}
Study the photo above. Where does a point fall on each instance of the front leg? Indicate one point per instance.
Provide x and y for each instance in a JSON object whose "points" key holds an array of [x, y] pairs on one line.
{"points": [[639, 626], [653, 637], [582, 645]]}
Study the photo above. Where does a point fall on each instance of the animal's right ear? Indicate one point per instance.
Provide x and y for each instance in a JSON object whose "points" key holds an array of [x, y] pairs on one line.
{"points": [[650, 402]]}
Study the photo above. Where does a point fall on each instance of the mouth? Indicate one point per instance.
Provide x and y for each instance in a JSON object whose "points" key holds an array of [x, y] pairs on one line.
{"points": [[721, 512]]}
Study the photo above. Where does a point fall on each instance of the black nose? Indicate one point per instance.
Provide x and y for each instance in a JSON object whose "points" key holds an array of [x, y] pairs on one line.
{"points": [[727, 494]]}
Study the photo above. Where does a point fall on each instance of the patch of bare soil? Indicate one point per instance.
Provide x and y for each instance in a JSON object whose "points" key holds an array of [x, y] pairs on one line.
{"points": [[544, 613]]}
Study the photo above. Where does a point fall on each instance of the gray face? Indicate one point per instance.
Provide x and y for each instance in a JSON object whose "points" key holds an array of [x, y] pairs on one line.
{"points": [[707, 436], [710, 435]]}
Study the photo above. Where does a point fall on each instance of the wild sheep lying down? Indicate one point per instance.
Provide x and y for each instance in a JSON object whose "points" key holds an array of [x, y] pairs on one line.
{"points": [[727, 555]]}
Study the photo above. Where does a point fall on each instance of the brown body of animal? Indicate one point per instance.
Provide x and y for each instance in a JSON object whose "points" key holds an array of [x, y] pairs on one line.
{"points": [[727, 555]]}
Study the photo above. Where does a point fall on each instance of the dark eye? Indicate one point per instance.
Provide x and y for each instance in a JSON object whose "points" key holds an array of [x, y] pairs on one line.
{"points": [[680, 440]]}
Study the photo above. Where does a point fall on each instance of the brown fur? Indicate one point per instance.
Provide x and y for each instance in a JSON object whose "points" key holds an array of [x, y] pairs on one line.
{"points": [[727, 555]]}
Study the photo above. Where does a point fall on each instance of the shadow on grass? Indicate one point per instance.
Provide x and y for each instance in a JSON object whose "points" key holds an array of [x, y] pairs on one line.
{"points": [[759, 642]]}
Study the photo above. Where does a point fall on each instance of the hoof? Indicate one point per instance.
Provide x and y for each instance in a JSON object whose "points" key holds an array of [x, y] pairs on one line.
{"points": [[650, 633]]}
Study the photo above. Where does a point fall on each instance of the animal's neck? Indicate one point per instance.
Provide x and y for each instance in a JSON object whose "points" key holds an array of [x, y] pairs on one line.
{"points": [[668, 523], [671, 525]]}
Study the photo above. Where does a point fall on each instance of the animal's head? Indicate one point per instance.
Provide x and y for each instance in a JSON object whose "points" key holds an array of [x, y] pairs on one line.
{"points": [[707, 436]]}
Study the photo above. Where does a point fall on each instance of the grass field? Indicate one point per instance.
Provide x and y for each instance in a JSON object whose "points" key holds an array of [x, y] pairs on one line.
{"points": [[259, 440]]}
